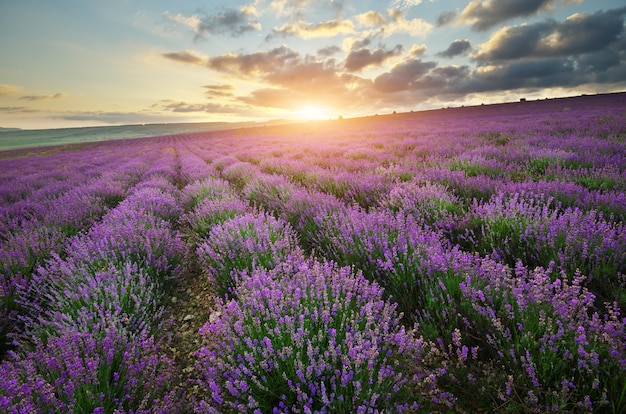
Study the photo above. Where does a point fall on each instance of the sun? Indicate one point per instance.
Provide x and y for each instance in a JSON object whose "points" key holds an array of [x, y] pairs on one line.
{"points": [[312, 112]]}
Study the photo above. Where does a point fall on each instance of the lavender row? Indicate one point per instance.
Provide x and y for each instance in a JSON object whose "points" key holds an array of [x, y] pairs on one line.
{"points": [[30, 237], [91, 317]]}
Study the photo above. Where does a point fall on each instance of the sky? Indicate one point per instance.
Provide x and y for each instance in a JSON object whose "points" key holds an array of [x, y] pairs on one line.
{"points": [[71, 63]]}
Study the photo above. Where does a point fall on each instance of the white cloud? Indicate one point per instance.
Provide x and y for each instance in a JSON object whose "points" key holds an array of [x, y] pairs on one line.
{"points": [[192, 22], [404, 4]]}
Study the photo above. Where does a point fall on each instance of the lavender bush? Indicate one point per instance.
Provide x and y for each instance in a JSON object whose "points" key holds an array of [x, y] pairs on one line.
{"points": [[83, 372], [210, 212], [131, 235], [69, 296], [427, 202], [209, 188], [537, 232], [531, 337], [392, 249], [311, 337], [244, 243]]}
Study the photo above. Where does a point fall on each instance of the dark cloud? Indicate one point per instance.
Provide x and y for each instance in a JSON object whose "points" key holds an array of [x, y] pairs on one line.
{"points": [[361, 58], [580, 33], [485, 14], [403, 76], [229, 21], [446, 18], [258, 63], [186, 56], [526, 74], [458, 47], [362, 43], [328, 51], [234, 22], [34, 98], [524, 58]]}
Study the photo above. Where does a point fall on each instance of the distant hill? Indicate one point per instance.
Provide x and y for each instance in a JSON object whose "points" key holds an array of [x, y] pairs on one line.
{"points": [[9, 129], [15, 138]]}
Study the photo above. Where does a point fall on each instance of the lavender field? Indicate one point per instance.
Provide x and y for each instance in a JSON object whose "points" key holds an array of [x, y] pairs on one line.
{"points": [[458, 260]]}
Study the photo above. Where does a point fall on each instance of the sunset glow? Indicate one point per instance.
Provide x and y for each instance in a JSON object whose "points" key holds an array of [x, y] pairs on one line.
{"points": [[313, 113], [69, 63]]}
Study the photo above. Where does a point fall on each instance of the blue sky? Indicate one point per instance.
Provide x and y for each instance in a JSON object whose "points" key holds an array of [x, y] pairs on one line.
{"points": [[88, 62]]}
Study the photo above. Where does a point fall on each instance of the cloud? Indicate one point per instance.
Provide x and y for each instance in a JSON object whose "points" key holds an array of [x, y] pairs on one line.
{"points": [[258, 63], [371, 18], [417, 50], [526, 74], [7, 90], [328, 51], [403, 76], [230, 21], [218, 91], [291, 78], [361, 58], [34, 98], [404, 4], [185, 107], [192, 22], [296, 8], [446, 18], [579, 33], [186, 56], [458, 47], [394, 22], [18, 109], [485, 14], [307, 30], [273, 98]]}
